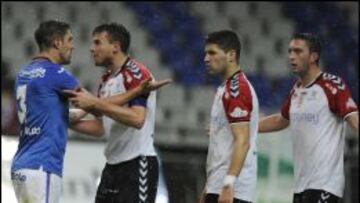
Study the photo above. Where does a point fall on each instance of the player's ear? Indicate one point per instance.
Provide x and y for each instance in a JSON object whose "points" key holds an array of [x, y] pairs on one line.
{"points": [[314, 56], [116, 47], [232, 55], [57, 43]]}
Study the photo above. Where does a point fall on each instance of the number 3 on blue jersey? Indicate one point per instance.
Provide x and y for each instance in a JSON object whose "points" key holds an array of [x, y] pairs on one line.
{"points": [[21, 97]]}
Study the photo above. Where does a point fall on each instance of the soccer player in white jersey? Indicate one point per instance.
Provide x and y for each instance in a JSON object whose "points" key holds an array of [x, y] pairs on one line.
{"points": [[131, 172], [232, 160], [315, 111]]}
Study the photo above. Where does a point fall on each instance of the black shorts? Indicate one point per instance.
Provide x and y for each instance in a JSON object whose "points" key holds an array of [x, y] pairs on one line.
{"points": [[315, 196], [213, 198], [132, 181]]}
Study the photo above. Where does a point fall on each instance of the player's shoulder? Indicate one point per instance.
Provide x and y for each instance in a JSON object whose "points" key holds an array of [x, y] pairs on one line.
{"points": [[237, 84], [331, 82], [136, 70]]}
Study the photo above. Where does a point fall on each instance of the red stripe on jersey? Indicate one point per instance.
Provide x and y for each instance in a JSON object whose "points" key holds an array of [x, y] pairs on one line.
{"points": [[338, 95], [237, 99]]}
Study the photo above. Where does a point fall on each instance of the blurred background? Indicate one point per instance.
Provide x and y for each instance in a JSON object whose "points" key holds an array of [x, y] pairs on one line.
{"points": [[168, 38]]}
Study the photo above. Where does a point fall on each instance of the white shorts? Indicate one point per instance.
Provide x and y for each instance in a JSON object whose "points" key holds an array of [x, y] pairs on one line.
{"points": [[36, 186]]}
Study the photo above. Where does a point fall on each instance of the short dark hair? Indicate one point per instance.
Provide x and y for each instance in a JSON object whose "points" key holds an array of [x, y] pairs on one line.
{"points": [[49, 31], [226, 40], [312, 41], [116, 32]]}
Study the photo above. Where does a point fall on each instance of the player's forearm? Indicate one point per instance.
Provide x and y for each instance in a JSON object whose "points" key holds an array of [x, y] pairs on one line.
{"points": [[88, 127], [124, 98], [241, 148], [273, 123], [120, 114]]}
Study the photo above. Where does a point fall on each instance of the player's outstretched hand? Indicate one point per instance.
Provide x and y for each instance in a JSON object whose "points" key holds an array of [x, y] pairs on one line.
{"points": [[149, 85]]}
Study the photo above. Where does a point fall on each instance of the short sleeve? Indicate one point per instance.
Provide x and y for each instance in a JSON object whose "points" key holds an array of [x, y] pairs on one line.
{"points": [[63, 79], [134, 74], [339, 96], [286, 106], [237, 101]]}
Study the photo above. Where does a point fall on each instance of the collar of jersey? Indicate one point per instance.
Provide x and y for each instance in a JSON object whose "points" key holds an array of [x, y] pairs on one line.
{"points": [[314, 81], [108, 74], [229, 78], [122, 67]]}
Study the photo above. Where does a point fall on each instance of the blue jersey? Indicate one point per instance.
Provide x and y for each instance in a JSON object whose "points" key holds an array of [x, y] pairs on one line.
{"points": [[43, 113]]}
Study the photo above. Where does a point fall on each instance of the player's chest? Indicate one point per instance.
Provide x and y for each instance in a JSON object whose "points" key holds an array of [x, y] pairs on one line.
{"points": [[112, 86], [309, 100]]}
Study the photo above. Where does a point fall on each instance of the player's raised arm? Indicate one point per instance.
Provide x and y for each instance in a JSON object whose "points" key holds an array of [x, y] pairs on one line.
{"points": [[145, 87]]}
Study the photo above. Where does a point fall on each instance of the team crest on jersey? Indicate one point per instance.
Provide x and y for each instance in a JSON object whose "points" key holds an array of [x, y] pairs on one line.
{"points": [[234, 87], [238, 113], [336, 80], [135, 70], [61, 70]]}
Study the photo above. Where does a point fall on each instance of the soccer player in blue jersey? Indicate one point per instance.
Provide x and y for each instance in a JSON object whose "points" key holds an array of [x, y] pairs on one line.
{"points": [[43, 113]]}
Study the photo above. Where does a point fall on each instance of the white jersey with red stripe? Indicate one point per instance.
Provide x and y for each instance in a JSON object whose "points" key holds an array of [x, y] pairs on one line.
{"points": [[126, 142], [235, 102], [316, 113]]}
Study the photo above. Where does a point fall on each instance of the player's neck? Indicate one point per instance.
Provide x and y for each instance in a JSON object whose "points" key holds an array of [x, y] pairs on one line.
{"points": [[50, 55], [118, 62], [230, 71], [310, 76]]}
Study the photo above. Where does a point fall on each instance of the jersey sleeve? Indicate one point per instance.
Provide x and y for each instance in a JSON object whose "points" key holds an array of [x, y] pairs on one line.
{"points": [[133, 76], [237, 101], [339, 96], [63, 79], [285, 108]]}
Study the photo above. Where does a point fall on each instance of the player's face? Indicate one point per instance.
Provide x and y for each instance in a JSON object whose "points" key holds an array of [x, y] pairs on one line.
{"points": [[215, 59], [299, 56], [101, 49], [66, 48]]}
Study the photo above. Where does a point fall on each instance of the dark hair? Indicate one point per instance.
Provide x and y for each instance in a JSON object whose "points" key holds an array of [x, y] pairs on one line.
{"points": [[117, 32], [49, 31], [226, 40], [312, 41]]}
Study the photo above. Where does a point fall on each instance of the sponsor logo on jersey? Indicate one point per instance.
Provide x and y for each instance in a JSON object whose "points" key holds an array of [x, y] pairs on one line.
{"points": [[238, 113], [61, 70], [18, 177], [311, 118], [34, 73], [32, 131]]}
